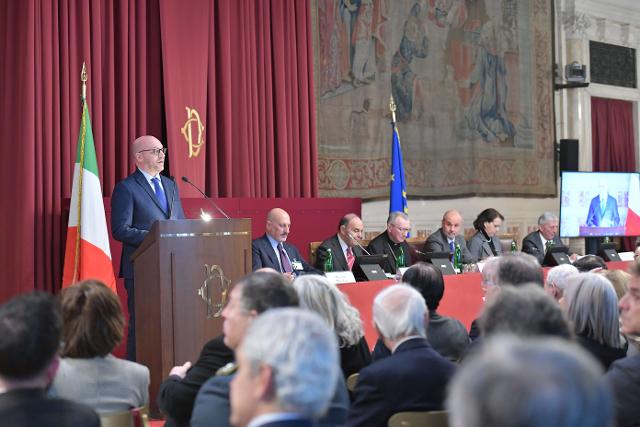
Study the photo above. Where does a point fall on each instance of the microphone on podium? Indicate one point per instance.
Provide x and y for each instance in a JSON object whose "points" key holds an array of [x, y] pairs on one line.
{"points": [[214, 204], [352, 237]]}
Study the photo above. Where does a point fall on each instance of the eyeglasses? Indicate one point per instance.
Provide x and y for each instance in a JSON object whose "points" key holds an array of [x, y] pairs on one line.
{"points": [[402, 229], [156, 151]]}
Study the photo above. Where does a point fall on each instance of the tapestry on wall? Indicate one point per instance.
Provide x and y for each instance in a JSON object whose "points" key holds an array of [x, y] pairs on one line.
{"points": [[472, 83]]}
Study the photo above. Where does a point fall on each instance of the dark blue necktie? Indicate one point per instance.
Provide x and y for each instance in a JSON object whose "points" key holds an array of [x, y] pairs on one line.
{"points": [[160, 194]]}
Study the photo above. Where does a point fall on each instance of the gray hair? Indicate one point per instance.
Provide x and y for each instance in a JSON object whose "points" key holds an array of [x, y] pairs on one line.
{"points": [[592, 306], [546, 217], [490, 270], [518, 269], [524, 311], [396, 214], [399, 311], [303, 354], [317, 294], [532, 383], [559, 276]]}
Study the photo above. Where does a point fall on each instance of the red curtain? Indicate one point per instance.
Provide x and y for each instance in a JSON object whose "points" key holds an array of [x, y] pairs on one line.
{"points": [[612, 141], [259, 113]]}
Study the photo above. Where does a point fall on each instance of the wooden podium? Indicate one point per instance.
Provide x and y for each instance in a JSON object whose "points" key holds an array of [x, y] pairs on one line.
{"points": [[183, 272]]}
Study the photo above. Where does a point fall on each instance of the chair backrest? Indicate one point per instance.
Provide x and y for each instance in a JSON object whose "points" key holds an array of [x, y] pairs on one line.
{"points": [[505, 241], [352, 380], [313, 252], [136, 417], [419, 419]]}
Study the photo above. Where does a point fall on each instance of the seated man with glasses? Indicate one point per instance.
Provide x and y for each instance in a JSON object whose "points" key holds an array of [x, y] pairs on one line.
{"points": [[393, 242], [138, 201]]}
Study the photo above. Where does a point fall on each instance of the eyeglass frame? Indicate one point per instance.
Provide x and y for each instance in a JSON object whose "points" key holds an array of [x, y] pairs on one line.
{"points": [[404, 230], [156, 151]]}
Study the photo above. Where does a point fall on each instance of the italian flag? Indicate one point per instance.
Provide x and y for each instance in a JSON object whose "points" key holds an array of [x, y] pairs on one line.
{"points": [[632, 227], [87, 254]]}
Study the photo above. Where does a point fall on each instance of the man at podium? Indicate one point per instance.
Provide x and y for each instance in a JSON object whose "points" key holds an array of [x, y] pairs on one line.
{"points": [[603, 209], [138, 201]]}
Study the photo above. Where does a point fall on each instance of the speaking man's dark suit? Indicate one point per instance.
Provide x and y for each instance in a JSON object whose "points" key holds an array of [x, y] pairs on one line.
{"points": [[32, 407], [413, 378], [265, 256], [177, 396], [439, 242], [339, 259], [382, 244], [134, 209], [532, 244], [609, 215]]}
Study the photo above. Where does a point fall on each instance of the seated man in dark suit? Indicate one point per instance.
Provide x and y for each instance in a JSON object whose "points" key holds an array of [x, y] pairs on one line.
{"points": [[603, 209], [30, 327], [414, 377], [344, 245], [178, 392], [537, 242], [271, 250], [393, 242], [288, 367], [253, 295], [446, 237]]}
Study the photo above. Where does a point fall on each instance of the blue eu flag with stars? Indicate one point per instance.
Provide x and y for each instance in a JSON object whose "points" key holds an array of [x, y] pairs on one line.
{"points": [[398, 188]]}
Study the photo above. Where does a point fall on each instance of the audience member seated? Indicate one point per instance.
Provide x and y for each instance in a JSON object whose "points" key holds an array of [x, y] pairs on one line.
{"points": [[592, 306], [588, 263], [393, 242], [317, 294], [414, 377], [557, 279], [532, 383], [271, 250], [344, 244], [485, 242], [251, 296], [546, 236], [447, 237], [524, 311], [178, 392], [446, 335], [287, 371], [624, 374], [30, 328], [619, 279], [93, 325]]}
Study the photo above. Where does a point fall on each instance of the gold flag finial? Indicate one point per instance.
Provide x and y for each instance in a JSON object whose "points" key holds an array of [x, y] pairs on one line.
{"points": [[83, 79], [392, 107]]}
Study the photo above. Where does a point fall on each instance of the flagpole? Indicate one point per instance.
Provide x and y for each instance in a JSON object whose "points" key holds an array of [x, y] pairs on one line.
{"points": [[83, 79], [392, 107]]}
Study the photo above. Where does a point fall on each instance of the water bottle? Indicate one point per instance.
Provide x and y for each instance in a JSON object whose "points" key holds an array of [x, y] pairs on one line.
{"points": [[328, 261], [457, 258], [514, 247]]}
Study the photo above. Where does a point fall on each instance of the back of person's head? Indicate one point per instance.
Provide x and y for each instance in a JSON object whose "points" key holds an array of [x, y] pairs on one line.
{"points": [[530, 383], [524, 311], [317, 294], [399, 311], [428, 280], [619, 279], [557, 279], [589, 263], [490, 270], [518, 269], [262, 291], [592, 307], [30, 327], [93, 323], [288, 362]]}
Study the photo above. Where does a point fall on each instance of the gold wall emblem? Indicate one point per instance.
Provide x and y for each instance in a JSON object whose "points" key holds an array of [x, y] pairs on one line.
{"points": [[193, 118], [215, 276]]}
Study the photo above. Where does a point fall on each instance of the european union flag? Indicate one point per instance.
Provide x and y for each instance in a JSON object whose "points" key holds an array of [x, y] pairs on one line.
{"points": [[398, 188]]}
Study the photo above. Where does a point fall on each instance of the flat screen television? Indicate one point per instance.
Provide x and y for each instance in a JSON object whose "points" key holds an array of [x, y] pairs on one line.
{"points": [[596, 204]]}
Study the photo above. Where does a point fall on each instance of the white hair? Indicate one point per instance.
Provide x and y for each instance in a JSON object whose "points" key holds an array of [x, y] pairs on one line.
{"points": [[546, 217], [399, 311], [592, 307], [560, 274], [317, 294], [303, 354], [530, 383]]}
